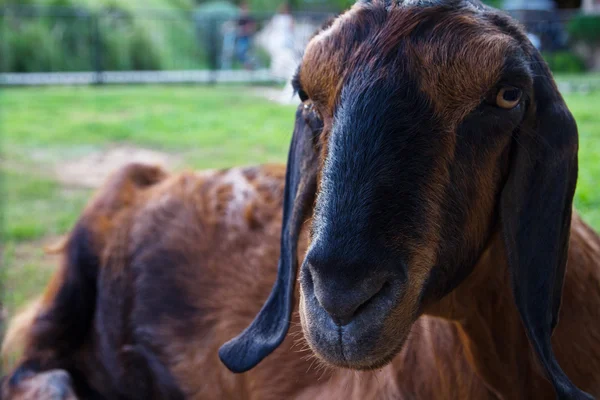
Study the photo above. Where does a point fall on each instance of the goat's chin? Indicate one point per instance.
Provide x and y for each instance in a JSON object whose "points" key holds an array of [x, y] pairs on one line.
{"points": [[367, 365], [365, 344]]}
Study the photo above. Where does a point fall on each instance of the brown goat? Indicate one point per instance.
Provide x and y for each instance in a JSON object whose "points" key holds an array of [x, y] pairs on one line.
{"points": [[160, 271], [434, 134]]}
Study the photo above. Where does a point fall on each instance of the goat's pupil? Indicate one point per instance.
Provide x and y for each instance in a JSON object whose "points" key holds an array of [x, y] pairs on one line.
{"points": [[511, 94]]}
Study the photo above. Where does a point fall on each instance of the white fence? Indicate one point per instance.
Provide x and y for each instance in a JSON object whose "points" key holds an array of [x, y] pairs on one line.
{"points": [[126, 77]]}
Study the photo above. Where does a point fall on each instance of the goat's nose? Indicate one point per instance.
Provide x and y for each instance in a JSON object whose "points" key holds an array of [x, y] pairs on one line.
{"points": [[343, 301]]}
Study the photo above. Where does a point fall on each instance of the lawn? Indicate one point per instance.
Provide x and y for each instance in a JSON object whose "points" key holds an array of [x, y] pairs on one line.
{"points": [[44, 128], [199, 127]]}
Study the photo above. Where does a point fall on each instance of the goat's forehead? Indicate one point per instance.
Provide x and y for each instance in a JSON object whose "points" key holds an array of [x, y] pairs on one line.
{"points": [[454, 55]]}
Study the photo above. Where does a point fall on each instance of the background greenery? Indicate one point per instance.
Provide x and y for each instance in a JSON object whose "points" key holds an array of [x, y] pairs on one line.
{"points": [[131, 34], [565, 61], [203, 127], [585, 28]]}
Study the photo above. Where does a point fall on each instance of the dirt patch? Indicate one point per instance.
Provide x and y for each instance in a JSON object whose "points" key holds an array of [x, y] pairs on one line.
{"points": [[93, 169], [42, 252]]}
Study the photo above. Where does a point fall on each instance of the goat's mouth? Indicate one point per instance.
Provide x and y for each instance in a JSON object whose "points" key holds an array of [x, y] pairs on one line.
{"points": [[369, 341]]}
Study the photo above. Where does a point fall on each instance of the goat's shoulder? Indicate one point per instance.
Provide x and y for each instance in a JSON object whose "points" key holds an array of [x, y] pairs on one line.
{"points": [[584, 250], [582, 280], [577, 336]]}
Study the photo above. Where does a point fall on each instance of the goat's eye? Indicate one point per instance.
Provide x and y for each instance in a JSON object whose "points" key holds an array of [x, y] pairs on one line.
{"points": [[312, 117], [310, 110], [508, 97]]}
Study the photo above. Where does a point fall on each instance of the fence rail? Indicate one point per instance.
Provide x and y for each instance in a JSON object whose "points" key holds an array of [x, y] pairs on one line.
{"points": [[119, 77]]}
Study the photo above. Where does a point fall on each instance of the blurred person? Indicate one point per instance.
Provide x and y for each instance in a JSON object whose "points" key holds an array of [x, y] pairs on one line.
{"points": [[283, 23], [229, 32], [280, 38], [246, 26]]}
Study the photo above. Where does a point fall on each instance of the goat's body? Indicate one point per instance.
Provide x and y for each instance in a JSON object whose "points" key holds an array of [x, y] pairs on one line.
{"points": [[186, 262]]}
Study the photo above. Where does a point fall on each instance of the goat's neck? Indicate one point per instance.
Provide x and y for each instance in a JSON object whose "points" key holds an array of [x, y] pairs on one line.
{"points": [[490, 328]]}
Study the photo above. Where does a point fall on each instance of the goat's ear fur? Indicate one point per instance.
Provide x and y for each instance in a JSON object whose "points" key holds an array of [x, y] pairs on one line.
{"points": [[536, 206], [270, 326]]}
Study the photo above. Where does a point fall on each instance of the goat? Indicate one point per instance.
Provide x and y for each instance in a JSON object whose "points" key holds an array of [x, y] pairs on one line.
{"points": [[464, 238], [438, 136]]}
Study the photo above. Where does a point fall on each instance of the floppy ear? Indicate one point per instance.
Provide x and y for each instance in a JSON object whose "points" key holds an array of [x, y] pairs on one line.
{"points": [[536, 205], [270, 326]]}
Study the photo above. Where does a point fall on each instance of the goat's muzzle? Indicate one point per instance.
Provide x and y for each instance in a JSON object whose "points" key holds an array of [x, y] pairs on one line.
{"points": [[345, 321]]}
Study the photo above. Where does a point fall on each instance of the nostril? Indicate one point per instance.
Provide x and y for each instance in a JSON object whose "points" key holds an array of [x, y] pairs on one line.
{"points": [[344, 305], [384, 289]]}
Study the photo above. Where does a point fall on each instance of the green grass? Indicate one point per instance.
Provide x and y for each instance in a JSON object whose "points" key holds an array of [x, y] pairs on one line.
{"points": [[205, 127], [38, 206], [585, 108], [43, 127], [211, 127]]}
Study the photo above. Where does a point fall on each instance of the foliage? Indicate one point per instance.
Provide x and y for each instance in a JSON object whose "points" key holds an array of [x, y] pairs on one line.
{"points": [[127, 46], [20, 53], [565, 62], [112, 36], [585, 27]]}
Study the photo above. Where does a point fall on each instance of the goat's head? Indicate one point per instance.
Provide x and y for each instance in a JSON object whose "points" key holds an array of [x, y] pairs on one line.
{"points": [[425, 126]]}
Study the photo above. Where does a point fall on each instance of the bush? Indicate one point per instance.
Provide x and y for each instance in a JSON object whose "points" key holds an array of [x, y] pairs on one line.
{"points": [[29, 48], [565, 62], [46, 42], [144, 52], [585, 28], [126, 45]]}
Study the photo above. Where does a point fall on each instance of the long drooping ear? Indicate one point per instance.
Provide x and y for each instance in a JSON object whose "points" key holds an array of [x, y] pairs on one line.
{"points": [[536, 205], [270, 326]]}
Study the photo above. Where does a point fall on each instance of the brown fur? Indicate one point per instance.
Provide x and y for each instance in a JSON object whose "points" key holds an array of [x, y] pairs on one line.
{"points": [[452, 72], [471, 345]]}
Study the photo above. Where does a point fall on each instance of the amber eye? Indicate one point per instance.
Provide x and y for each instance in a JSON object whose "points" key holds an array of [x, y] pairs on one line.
{"points": [[508, 97]]}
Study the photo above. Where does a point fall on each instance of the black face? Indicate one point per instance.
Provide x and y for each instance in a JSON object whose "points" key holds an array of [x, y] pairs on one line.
{"points": [[380, 153], [400, 188]]}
